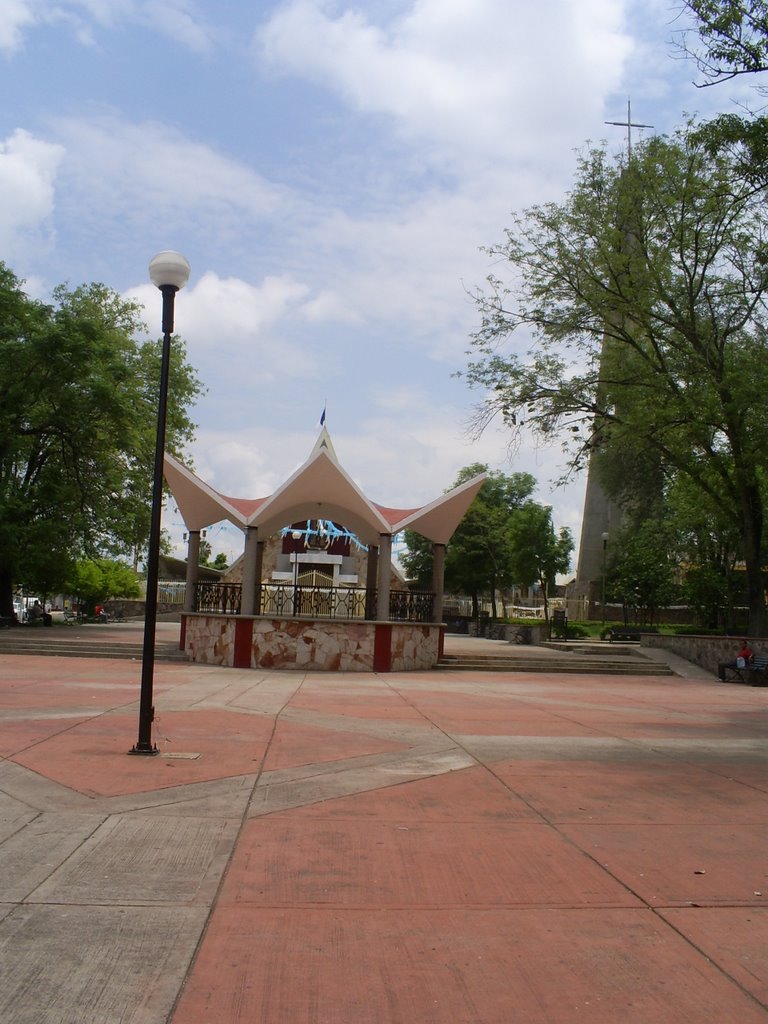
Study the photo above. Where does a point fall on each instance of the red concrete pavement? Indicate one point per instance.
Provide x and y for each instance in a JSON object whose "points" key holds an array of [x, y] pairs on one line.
{"points": [[423, 848]]}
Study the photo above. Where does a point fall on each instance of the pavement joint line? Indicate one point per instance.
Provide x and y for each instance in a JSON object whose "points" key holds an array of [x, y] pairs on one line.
{"points": [[244, 819], [278, 776]]}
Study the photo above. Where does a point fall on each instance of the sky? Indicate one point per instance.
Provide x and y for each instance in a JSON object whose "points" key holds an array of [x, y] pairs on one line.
{"points": [[332, 172]]}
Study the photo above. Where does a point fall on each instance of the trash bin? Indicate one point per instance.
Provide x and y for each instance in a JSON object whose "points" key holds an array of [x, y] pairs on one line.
{"points": [[559, 624]]}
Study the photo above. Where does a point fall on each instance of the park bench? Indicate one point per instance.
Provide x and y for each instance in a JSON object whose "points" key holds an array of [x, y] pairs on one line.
{"points": [[755, 673], [629, 632]]}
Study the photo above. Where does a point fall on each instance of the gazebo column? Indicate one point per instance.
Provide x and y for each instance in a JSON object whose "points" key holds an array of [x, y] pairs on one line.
{"points": [[371, 576], [250, 571], [259, 576], [384, 576], [193, 565], [438, 580]]}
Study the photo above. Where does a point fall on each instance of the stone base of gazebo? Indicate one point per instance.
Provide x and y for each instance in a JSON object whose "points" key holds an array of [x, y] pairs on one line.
{"points": [[310, 645]]}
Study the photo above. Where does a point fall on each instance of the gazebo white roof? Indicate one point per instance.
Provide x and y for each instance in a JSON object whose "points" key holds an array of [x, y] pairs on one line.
{"points": [[319, 489]]}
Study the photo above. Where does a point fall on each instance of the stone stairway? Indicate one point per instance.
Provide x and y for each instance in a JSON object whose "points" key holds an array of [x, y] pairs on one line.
{"points": [[60, 642], [589, 660]]}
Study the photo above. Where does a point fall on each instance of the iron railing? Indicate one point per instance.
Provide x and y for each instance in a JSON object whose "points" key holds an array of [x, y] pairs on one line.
{"points": [[317, 602], [411, 606], [218, 598], [284, 600]]}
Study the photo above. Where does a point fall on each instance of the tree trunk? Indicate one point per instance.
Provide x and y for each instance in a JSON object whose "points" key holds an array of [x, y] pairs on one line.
{"points": [[752, 515], [6, 593]]}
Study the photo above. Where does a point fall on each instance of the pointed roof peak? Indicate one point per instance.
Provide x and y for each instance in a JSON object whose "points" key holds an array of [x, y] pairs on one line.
{"points": [[324, 442]]}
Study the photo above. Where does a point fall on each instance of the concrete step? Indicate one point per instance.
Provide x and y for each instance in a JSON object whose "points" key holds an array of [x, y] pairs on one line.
{"points": [[577, 664], [42, 644]]}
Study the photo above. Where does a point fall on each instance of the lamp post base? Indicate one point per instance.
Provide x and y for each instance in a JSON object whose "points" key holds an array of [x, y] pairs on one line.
{"points": [[147, 751]]}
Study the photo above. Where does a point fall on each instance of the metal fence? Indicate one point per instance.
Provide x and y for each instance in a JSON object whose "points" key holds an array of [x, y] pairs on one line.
{"points": [[218, 598], [317, 602], [411, 606], [171, 591]]}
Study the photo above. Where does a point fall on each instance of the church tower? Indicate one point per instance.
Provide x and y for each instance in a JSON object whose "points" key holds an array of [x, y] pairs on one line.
{"points": [[602, 517]]}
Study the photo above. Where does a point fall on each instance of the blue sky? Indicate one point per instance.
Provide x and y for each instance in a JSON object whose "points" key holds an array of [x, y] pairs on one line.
{"points": [[331, 171]]}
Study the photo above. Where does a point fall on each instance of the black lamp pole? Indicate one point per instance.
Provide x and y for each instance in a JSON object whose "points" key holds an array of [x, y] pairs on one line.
{"points": [[169, 271]]}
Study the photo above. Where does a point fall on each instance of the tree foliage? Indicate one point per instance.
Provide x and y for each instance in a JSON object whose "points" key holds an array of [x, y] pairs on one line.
{"points": [[205, 557], [642, 574], [477, 557], [78, 410], [101, 579], [539, 553], [505, 538], [710, 551], [642, 297], [732, 38]]}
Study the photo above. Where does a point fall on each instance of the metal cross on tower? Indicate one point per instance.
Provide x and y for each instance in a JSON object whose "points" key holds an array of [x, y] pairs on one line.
{"points": [[629, 124]]}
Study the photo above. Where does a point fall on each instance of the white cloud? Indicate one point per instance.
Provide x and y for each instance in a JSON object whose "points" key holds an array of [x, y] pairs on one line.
{"points": [[479, 80], [228, 307], [176, 19], [28, 168], [330, 306], [149, 165], [15, 16], [237, 467], [236, 336], [406, 268]]}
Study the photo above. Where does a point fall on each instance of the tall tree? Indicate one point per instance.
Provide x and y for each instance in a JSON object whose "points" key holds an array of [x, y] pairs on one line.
{"points": [[642, 573], [733, 41], [710, 551], [101, 579], [539, 553], [78, 407], [477, 559], [645, 294]]}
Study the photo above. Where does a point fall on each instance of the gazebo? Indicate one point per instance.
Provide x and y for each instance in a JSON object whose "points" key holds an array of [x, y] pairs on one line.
{"points": [[255, 625]]}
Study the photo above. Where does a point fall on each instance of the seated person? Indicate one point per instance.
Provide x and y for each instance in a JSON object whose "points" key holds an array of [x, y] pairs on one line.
{"points": [[743, 657], [38, 614]]}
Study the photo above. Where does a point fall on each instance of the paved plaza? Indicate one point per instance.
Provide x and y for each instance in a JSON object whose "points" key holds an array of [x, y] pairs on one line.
{"points": [[423, 848]]}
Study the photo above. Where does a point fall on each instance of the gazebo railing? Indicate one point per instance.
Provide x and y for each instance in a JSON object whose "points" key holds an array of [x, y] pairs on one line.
{"points": [[217, 598], [411, 606], [318, 602]]}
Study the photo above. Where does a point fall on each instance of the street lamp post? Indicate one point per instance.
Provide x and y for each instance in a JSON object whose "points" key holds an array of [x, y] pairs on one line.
{"points": [[605, 550], [170, 272]]}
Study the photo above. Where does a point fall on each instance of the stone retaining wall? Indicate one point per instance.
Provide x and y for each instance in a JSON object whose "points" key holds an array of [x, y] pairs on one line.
{"points": [[318, 645], [706, 651]]}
